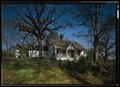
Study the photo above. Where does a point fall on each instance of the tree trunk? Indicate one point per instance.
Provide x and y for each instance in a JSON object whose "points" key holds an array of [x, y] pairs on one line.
{"points": [[105, 57], [95, 50], [40, 53], [95, 36]]}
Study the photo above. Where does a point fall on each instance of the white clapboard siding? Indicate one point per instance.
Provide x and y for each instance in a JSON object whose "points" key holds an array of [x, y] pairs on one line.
{"points": [[33, 53], [17, 54]]}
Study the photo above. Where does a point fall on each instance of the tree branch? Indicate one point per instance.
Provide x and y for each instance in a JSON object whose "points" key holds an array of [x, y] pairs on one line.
{"points": [[105, 26], [85, 35], [26, 36], [56, 28]]}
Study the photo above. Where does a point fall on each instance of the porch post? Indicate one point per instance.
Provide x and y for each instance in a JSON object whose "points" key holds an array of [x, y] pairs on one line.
{"points": [[75, 53], [66, 53], [55, 50]]}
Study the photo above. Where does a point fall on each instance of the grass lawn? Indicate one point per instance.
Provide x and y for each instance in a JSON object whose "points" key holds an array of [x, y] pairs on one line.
{"points": [[45, 76]]}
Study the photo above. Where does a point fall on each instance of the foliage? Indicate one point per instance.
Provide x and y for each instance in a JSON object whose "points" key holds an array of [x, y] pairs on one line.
{"points": [[31, 76], [7, 54], [46, 76], [23, 71], [53, 35], [105, 71]]}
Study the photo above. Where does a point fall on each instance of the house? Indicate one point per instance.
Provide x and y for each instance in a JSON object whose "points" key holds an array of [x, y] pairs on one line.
{"points": [[60, 49], [66, 50]]}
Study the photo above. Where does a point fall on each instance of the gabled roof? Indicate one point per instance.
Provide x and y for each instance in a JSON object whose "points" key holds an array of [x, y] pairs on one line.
{"points": [[63, 44], [27, 46]]}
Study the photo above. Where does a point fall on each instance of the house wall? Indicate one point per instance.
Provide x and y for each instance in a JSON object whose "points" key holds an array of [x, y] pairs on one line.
{"points": [[66, 56], [83, 54], [71, 47], [50, 50], [60, 54], [17, 54], [33, 53]]}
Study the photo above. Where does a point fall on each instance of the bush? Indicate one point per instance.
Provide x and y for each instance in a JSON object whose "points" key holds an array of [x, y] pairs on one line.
{"points": [[110, 79], [83, 65], [18, 65]]}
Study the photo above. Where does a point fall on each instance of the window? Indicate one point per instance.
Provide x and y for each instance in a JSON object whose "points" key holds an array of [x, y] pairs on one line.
{"points": [[60, 51], [64, 51], [71, 53], [57, 51]]}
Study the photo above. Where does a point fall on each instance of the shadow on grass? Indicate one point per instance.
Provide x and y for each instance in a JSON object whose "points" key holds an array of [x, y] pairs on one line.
{"points": [[73, 73]]}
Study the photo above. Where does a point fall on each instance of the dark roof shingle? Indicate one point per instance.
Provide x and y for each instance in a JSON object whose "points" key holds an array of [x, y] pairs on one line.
{"points": [[66, 43]]}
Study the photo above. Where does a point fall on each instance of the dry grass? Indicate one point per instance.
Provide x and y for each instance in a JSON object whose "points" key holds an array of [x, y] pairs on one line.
{"points": [[45, 76]]}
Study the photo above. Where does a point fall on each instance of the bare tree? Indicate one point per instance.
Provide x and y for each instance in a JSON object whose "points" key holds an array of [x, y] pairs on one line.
{"points": [[107, 43], [91, 16], [8, 35], [36, 20]]}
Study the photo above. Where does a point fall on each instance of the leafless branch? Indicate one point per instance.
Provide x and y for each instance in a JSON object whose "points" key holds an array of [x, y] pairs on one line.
{"points": [[84, 35]]}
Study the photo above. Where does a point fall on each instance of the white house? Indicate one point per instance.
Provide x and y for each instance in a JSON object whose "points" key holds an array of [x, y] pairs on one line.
{"points": [[66, 50], [60, 49]]}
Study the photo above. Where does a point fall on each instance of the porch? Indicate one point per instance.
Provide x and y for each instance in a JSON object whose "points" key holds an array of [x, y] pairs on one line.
{"points": [[62, 54]]}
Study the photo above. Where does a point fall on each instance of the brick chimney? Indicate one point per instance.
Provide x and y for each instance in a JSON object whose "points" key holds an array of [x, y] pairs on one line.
{"points": [[61, 36]]}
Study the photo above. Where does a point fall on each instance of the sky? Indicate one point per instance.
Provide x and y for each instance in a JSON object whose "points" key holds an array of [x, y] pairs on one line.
{"points": [[68, 33]]}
